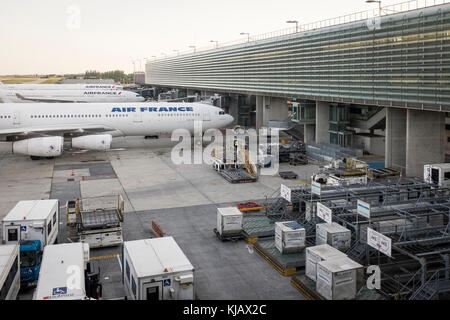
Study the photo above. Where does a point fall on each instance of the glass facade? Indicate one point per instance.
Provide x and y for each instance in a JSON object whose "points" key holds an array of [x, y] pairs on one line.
{"points": [[403, 60]]}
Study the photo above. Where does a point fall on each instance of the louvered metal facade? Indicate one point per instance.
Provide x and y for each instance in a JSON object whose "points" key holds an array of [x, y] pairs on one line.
{"points": [[400, 60]]}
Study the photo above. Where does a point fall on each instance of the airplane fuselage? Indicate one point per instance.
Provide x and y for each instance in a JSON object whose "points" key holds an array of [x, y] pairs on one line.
{"points": [[124, 119]]}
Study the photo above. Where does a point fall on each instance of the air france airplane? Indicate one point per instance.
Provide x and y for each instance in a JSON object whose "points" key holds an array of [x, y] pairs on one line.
{"points": [[75, 86], [38, 130], [58, 95]]}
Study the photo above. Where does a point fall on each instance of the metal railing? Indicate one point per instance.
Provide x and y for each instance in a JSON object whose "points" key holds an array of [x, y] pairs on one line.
{"points": [[349, 18]]}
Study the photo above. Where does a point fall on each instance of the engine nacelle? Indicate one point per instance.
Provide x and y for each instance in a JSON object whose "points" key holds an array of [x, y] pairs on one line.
{"points": [[99, 142], [40, 147]]}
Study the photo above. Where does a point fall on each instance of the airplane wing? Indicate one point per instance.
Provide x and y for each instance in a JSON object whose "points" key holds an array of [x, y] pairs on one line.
{"points": [[72, 130], [21, 97]]}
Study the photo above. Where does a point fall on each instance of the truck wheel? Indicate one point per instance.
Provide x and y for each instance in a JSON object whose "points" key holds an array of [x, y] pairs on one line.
{"points": [[35, 158]]}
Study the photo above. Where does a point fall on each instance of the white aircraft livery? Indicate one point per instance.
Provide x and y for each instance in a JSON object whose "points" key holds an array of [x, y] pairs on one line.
{"points": [[63, 95], [39, 129], [76, 86]]}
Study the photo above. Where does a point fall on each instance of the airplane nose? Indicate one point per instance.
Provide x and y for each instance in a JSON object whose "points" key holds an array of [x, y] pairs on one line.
{"points": [[230, 119]]}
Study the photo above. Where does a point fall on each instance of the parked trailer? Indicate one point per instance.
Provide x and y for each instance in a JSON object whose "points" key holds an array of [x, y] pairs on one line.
{"points": [[9, 271], [96, 221], [437, 173], [67, 274], [156, 269], [32, 220]]}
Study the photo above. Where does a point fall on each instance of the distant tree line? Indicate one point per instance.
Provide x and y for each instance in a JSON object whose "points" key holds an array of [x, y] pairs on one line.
{"points": [[117, 76]]}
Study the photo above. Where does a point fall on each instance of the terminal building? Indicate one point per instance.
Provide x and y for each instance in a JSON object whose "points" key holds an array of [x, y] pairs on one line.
{"points": [[379, 82]]}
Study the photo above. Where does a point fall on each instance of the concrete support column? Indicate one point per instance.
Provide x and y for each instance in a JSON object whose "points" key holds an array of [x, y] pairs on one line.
{"points": [[425, 140], [395, 147], [259, 112], [322, 122], [309, 133], [274, 109]]}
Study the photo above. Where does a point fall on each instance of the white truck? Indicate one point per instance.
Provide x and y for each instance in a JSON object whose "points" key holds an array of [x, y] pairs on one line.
{"points": [[9, 271], [67, 274], [156, 269], [32, 220]]}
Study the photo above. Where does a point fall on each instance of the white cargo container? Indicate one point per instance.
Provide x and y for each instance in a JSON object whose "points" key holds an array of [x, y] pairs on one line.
{"points": [[333, 234], [229, 221], [62, 273], [156, 269], [289, 237], [32, 220], [437, 173], [319, 253], [338, 279], [9, 271]]}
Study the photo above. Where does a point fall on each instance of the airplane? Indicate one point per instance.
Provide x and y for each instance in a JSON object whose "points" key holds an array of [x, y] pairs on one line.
{"points": [[54, 86], [58, 95], [39, 129]]}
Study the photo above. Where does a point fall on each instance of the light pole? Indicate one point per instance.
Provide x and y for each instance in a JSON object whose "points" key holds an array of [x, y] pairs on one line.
{"points": [[217, 43], [194, 47], [296, 24], [379, 5], [248, 35]]}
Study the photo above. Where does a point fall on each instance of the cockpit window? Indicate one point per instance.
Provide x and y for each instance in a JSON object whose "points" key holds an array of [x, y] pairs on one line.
{"points": [[221, 112]]}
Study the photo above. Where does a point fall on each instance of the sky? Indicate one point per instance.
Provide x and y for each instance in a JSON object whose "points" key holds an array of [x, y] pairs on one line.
{"points": [[72, 36]]}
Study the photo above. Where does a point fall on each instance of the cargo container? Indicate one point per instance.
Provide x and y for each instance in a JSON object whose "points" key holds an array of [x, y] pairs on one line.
{"points": [[319, 253], [32, 220], [9, 272], [338, 278], [437, 173], [289, 237], [156, 269], [333, 234], [229, 221], [67, 274]]}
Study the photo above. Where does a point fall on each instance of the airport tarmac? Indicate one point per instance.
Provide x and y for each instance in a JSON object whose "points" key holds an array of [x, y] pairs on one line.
{"points": [[182, 199]]}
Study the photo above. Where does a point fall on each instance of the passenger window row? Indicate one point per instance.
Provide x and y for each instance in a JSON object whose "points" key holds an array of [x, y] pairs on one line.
{"points": [[5, 117]]}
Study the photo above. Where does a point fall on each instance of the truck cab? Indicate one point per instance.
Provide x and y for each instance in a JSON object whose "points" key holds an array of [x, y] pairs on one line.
{"points": [[30, 260]]}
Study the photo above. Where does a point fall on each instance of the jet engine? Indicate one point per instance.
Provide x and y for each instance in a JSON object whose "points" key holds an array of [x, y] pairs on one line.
{"points": [[40, 147], [99, 142]]}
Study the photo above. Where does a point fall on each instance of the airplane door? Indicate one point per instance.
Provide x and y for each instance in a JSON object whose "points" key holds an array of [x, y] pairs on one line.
{"points": [[137, 116], [12, 234], [16, 117], [206, 116], [152, 291]]}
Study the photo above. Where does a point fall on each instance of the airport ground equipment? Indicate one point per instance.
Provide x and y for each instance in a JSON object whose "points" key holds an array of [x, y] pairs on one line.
{"points": [[288, 175], [9, 271], [339, 279], [96, 221], [333, 234], [315, 254], [32, 220], [229, 224], [290, 237], [249, 206], [30, 261], [239, 169], [67, 274], [156, 269], [437, 173]]}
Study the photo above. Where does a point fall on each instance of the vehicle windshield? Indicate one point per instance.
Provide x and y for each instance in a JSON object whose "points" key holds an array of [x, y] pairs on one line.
{"points": [[27, 259]]}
